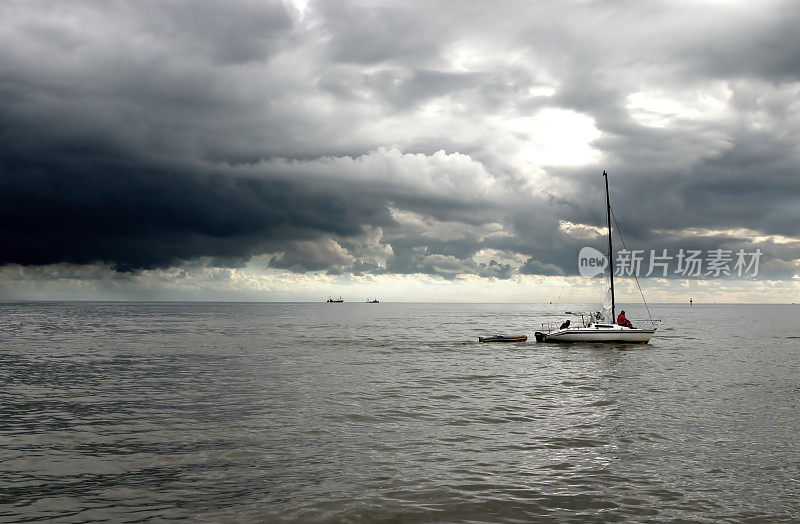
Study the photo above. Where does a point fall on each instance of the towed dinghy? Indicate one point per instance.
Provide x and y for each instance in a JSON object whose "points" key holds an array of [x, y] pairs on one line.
{"points": [[504, 338]]}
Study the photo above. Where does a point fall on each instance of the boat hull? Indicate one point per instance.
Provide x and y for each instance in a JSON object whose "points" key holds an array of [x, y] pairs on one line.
{"points": [[637, 336]]}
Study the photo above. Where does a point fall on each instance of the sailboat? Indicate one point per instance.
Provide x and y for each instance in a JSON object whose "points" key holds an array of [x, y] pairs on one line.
{"points": [[601, 327]]}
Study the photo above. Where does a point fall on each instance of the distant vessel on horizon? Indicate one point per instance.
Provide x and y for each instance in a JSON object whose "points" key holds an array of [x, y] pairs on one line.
{"points": [[373, 301], [335, 300]]}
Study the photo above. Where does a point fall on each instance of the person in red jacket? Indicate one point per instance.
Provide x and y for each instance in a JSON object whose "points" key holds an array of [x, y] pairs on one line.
{"points": [[623, 321]]}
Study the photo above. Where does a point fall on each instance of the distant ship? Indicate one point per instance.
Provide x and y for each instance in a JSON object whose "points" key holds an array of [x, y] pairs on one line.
{"points": [[335, 300], [373, 301]]}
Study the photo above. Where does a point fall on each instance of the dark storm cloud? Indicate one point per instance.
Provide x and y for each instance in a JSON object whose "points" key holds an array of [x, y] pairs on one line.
{"points": [[534, 267], [149, 134], [763, 45], [375, 34], [243, 32], [404, 89], [132, 216]]}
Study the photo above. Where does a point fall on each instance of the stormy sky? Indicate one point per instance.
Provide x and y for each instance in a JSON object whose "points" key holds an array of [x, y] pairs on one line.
{"points": [[408, 150]]}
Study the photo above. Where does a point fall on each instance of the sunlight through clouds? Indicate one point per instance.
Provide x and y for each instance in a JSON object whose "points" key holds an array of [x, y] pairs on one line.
{"points": [[554, 137]]}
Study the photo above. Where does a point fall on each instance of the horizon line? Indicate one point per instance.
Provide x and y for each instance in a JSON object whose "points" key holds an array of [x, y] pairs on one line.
{"points": [[196, 301]]}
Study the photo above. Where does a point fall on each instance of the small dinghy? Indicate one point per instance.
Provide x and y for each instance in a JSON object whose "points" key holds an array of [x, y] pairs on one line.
{"points": [[504, 338]]}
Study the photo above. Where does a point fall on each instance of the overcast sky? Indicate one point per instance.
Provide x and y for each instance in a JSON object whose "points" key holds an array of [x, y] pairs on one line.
{"points": [[254, 150]]}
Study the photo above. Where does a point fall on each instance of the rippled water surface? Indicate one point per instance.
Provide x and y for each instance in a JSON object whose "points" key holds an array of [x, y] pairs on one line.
{"points": [[364, 412]]}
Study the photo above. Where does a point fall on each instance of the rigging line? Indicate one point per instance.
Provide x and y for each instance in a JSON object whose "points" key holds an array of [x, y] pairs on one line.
{"points": [[583, 234], [619, 232]]}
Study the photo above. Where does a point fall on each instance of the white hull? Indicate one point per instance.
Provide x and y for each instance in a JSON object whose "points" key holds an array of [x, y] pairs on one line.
{"points": [[598, 333]]}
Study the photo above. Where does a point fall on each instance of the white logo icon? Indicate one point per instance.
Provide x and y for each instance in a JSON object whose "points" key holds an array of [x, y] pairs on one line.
{"points": [[591, 262]]}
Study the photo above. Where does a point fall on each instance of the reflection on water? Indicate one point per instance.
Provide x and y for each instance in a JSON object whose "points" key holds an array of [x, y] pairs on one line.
{"points": [[373, 412]]}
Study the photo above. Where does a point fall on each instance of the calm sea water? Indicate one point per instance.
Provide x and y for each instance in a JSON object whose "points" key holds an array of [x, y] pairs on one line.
{"points": [[366, 412]]}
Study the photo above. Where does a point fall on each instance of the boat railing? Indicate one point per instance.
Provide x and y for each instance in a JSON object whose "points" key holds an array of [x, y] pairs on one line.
{"points": [[554, 326], [549, 326]]}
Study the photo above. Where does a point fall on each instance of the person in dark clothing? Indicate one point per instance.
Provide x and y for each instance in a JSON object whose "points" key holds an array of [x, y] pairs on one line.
{"points": [[565, 325], [623, 321]]}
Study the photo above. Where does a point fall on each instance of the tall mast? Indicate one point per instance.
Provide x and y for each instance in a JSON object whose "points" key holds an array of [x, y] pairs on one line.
{"points": [[610, 250]]}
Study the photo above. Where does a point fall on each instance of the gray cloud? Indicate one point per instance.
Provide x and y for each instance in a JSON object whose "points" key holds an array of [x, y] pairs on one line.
{"points": [[365, 139]]}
